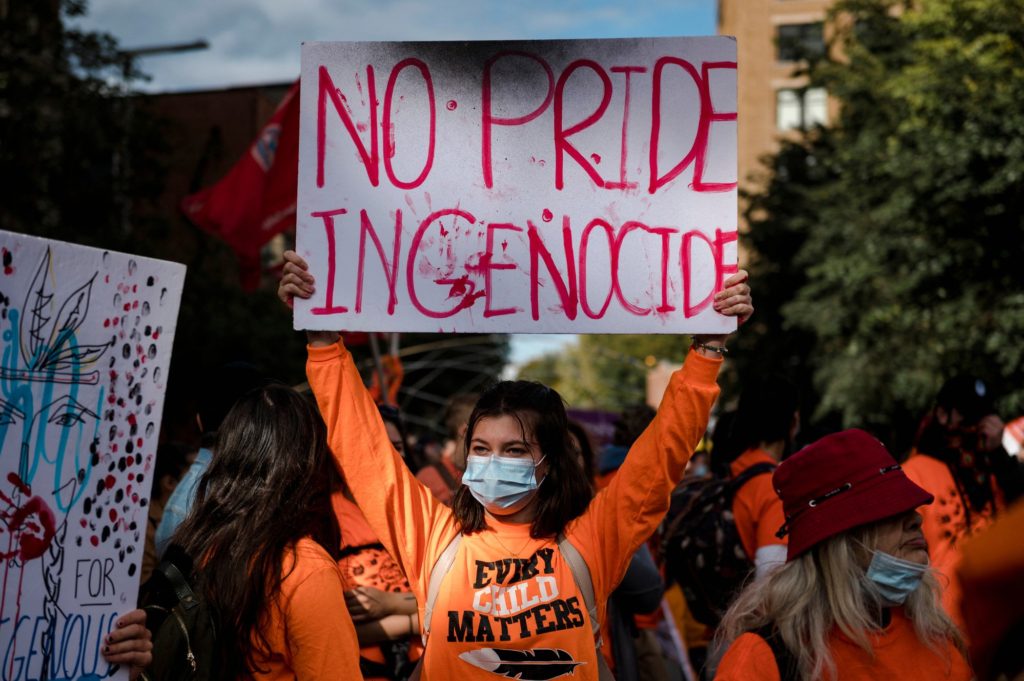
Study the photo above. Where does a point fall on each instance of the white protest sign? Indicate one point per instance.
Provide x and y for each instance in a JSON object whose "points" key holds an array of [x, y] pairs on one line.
{"points": [[538, 186], [86, 346]]}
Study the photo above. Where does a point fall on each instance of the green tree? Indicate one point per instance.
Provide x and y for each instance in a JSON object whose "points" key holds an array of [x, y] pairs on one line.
{"points": [[605, 372], [905, 216], [63, 128]]}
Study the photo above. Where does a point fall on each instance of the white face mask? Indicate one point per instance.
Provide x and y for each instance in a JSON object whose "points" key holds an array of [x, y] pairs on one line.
{"points": [[894, 577], [500, 481]]}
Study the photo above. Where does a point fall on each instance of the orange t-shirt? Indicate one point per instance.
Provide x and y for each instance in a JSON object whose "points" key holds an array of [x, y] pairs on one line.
{"points": [[309, 630], [509, 602], [897, 654], [756, 507], [364, 562], [643, 620], [945, 524]]}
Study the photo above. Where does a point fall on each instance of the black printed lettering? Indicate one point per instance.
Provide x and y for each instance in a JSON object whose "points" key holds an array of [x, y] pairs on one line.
{"points": [[503, 569], [530, 567], [543, 626], [545, 555], [483, 577], [460, 631], [484, 631], [504, 622], [517, 575], [523, 619], [574, 609], [562, 616]]}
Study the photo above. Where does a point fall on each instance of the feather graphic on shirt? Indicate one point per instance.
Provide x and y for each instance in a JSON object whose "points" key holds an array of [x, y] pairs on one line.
{"points": [[529, 665]]}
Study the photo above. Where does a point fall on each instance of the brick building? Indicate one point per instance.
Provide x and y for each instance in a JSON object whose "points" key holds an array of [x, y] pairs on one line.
{"points": [[772, 37]]}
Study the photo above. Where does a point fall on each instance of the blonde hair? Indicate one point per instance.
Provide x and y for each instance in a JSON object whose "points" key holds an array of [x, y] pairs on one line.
{"points": [[825, 589]]}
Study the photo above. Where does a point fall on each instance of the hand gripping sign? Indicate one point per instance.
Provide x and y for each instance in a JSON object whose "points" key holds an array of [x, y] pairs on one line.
{"points": [[540, 186]]}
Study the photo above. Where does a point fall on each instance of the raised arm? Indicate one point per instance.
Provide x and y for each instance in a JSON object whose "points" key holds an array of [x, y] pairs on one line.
{"points": [[397, 507], [627, 512]]}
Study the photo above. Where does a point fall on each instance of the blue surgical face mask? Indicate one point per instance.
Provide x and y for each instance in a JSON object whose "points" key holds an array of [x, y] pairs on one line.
{"points": [[894, 577], [500, 481]]}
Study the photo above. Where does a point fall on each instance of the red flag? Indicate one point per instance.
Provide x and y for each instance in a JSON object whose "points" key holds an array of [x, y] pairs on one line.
{"points": [[256, 199]]}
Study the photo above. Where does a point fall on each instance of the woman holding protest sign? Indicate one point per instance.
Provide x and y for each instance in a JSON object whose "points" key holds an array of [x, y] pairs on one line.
{"points": [[513, 579]]}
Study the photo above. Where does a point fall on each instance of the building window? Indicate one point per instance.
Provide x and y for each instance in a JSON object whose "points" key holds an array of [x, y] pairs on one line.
{"points": [[796, 42], [799, 109]]}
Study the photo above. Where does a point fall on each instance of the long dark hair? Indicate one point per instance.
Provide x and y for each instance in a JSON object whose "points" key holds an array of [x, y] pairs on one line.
{"points": [[268, 486], [565, 493]]}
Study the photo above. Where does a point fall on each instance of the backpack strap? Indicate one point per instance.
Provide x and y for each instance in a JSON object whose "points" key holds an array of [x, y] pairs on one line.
{"points": [[751, 473], [786, 662], [182, 590], [581, 575], [437, 574]]}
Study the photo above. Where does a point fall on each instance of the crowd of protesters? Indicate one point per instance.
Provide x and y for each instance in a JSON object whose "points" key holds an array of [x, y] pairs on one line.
{"points": [[307, 541]]}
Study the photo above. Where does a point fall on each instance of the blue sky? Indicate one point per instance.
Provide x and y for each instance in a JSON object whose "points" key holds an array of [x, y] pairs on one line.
{"points": [[257, 41]]}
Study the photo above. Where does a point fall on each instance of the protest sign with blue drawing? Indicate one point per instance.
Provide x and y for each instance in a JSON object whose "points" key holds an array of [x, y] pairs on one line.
{"points": [[85, 345]]}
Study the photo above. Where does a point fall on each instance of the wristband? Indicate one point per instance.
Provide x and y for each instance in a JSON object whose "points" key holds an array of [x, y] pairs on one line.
{"points": [[719, 350]]}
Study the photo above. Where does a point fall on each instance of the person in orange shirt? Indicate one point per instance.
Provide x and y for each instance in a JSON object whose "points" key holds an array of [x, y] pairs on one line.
{"points": [[959, 458], [506, 602], [856, 600], [766, 425], [378, 597], [263, 532], [377, 594]]}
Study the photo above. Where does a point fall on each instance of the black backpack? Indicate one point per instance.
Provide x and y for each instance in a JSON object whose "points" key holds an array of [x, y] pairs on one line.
{"points": [[184, 635], [701, 546]]}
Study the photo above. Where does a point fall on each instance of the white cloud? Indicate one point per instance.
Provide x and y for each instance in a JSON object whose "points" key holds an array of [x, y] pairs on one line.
{"points": [[257, 41]]}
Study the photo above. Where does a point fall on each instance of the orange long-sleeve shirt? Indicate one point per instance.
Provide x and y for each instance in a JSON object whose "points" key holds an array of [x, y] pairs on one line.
{"points": [[307, 644], [897, 654], [509, 601], [945, 526]]}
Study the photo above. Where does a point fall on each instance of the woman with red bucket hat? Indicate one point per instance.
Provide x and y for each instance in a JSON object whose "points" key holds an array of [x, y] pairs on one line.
{"points": [[856, 599]]}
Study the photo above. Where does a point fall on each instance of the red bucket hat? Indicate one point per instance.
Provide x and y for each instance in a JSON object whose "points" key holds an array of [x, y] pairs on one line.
{"points": [[837, 483]]}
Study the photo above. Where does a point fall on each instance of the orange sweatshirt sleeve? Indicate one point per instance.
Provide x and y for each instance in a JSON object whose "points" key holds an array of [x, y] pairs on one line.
{"points": [[321, 638], [408, 520], [624, 514], [749, 658]]}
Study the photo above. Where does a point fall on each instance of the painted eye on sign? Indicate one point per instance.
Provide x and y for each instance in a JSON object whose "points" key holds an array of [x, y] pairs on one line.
{"points": [[535, 186]]}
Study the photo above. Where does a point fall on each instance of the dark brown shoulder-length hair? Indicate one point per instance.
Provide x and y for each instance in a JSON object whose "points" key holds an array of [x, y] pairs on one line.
{"points": [[565, 492], [269, 485]]}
